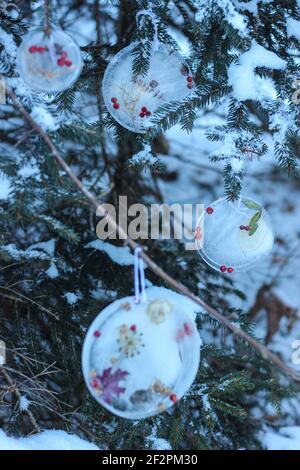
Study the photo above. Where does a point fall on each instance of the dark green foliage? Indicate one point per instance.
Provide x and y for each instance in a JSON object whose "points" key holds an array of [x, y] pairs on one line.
{"points": [[44, 332]]}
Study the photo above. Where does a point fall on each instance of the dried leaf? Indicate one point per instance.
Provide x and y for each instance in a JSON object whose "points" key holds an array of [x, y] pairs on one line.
{"points": [[251, 204], [253, 230], [255, 219]]}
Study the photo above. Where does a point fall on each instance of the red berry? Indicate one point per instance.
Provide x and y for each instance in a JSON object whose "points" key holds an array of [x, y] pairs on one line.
{"points": [[144, 109], [95, 383], [184, 70], [223, 268], [68, 63], [32, 49], [209, 210], [61, 62], [114, 100], [230, 270], [173, 398], [40, 49], [190, 79], [242, 227], [142, 115], [188, 329], [133, 327], [116, 106], [97, 334], [190, 86]]}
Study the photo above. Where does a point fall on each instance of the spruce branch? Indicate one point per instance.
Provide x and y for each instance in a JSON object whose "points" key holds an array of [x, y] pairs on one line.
{"points": [[259, 347]]}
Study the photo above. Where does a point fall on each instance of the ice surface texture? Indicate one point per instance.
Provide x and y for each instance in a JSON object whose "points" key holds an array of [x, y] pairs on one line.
{"points": [[132, 100], [139, 359], [226, 243], [49, 64]]}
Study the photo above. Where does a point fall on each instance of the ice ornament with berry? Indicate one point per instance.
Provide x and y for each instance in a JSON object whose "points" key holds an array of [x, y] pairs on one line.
{"points": [[138, 359], [233, 236], [49, 63], [131, 99]]}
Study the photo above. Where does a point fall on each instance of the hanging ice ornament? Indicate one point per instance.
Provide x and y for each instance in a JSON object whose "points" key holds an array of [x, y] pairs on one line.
{"points": [[49, 63], [139, 359], [235, 234], [132, 100]]}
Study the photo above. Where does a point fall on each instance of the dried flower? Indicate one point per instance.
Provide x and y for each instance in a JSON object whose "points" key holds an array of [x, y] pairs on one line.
{"points": [[158, 309], [130, 340]]}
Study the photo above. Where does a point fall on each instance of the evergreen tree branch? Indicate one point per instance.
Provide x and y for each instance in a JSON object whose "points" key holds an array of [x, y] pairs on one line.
{"points": [[259, 347]]}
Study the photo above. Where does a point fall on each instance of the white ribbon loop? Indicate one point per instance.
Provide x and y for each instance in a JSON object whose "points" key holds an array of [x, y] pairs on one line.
{"points": [[139, 277]]}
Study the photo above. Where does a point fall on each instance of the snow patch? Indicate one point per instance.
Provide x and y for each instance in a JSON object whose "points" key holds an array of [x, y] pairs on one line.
{"points": [[5, 186], [157, 443], [48, 247], [144, 157], [43, 117], [24, 403], [28, 170], [17, 254], [245, 83], [286, 438], [236, 165], [251, 7], [10, 45], [47, 440], [71, 298], [231, 15], [52, 272], [293, 28], [118, 254]]}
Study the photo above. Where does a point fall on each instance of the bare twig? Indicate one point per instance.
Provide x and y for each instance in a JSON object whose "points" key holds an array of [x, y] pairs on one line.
{"points": [[17, 296], [47, 25], [263, 350], [16, 391]]}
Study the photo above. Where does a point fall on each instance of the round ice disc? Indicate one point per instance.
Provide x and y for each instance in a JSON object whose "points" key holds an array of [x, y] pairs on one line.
{"points": [[234, 236], [139, 359], [49, 63], [132, 100]]}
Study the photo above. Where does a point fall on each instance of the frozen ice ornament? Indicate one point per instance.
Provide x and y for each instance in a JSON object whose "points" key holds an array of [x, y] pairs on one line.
{"points": [[235, 234], [138, 359], [132, 100], [49, 63]]}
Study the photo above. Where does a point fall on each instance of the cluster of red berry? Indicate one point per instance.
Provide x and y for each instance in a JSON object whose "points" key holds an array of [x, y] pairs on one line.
{"points": [[144, 112], [38, 49], [245, 227], [62, 60], [190, 84], [224, 268], [185, 71], [115, 103]]}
